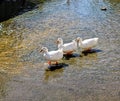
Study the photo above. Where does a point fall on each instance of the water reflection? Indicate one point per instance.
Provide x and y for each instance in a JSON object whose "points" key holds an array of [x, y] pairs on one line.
{"points": [[10, 46], [91, 51], [3, 80], [74, 55], [52, 75], [113, 2], [54, 71], [86, 60]]}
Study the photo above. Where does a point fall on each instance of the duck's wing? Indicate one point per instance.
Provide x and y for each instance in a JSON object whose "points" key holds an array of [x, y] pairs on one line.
{"points": [[52, 53], [69, 46], [55, 55], [90, 42]]}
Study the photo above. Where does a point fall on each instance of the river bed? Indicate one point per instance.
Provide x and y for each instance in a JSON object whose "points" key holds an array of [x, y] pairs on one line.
{"points": [[82, 77]]}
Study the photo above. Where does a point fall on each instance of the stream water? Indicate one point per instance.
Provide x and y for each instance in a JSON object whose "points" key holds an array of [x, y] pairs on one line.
{"points": [[83, 77]]}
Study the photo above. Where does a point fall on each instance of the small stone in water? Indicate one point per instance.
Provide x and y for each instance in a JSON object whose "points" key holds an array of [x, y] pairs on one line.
{"points": [[104, 8]]}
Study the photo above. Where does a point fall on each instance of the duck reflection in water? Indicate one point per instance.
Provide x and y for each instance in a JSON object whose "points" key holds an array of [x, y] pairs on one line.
{"points": [[54, 71], [54, 67], [91, 51], [49, 75], [74, 55]]}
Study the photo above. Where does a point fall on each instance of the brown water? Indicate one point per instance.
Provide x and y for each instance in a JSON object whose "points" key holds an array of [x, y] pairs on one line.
{"points": [[84, 77]]}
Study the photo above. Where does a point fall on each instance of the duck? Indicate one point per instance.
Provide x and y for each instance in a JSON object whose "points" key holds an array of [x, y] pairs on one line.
{"points": [[68, 48], [52, 56], [87, 44]]}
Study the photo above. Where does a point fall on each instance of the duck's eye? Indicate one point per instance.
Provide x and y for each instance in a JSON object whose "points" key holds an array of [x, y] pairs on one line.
{"points": [[41, 50], [58, 42]]}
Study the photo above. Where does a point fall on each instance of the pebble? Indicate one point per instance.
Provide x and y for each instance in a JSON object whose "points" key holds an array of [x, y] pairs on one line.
{"points": [[104, 8]]}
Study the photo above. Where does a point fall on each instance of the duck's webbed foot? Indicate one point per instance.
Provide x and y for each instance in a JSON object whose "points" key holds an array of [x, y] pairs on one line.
{"points": [[49, 62], [88, 50]]}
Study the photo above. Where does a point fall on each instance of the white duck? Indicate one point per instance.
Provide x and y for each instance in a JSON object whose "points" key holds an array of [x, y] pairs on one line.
{"points": [[68, 48], [87, 44], [52, 56]]}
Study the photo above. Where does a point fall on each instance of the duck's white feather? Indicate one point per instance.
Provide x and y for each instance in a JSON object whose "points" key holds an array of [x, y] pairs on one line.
{"points": [[88, 43], [72, 46], [67, 47], [52, 55]]}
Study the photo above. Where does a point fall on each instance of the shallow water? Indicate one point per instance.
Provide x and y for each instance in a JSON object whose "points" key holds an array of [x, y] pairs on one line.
{"points": [[82, 77]]}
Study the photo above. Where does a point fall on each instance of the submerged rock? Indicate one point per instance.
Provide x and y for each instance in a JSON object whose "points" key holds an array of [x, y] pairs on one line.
{"points": [[104, 8]]}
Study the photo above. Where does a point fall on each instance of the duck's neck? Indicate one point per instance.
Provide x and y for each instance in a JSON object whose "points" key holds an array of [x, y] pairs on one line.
{"points": [[60, 45], [80, 42], [46, 51], [61, 48], [75, 42]]}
